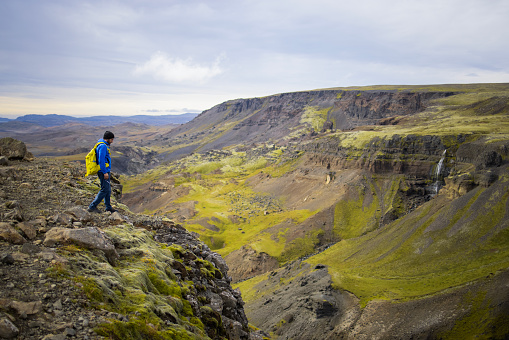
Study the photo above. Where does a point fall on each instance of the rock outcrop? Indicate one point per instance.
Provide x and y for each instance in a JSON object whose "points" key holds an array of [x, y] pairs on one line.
{"points": [[277, 117], [14, 149], [66, 272]]}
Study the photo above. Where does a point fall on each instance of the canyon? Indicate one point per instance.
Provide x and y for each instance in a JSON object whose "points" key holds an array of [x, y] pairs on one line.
{"points": [[343, 213]]}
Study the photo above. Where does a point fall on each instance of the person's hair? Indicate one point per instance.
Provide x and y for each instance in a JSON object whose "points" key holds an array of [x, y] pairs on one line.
{"points": [[108, 135]]}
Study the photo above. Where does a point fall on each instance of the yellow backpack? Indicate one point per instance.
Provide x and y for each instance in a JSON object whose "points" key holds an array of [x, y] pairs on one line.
{"points": [[91, 162]]}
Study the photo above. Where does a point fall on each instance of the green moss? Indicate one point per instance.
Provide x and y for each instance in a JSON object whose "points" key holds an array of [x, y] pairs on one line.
{"points": [[164, 286], [301, 246], [479, 322], [356, 217], [406, 260], [92, 290], [314, 116], [58, 271], [139, 330]]}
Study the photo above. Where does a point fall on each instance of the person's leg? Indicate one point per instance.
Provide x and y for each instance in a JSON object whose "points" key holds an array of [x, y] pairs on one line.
{"points": [[105, 191], [107, 195]]}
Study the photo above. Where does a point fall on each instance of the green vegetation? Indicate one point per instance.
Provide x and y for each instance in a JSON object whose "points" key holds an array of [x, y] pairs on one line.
{"points": [[440, 245], [141, 287], [421, 254], [315, 117], [353, 218]]}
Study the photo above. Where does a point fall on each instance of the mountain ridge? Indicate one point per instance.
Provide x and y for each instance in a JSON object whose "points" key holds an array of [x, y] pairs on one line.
{"points": [[51, 120]]}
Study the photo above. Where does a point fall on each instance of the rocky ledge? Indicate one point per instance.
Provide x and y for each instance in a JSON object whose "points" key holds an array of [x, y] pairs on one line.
{"points": [[66, 273]]}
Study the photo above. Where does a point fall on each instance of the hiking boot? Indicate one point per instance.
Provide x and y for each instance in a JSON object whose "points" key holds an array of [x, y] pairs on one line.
{"points": [[93, 210], [111, 210]]}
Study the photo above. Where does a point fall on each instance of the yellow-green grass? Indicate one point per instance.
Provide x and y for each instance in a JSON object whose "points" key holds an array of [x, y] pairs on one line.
{"points": [[213, 202], [314, 116], [406, 260], [131, 183], [248, 288], [481, 87]]}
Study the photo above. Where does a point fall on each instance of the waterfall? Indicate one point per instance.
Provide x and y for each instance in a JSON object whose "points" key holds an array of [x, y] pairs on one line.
{"points": [[438, 171]]}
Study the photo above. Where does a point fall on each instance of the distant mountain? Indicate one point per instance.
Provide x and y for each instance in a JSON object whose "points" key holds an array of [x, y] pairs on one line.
{"points": [[57, 120]]}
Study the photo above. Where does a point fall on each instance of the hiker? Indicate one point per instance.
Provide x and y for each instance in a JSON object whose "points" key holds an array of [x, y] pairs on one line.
{"points": [[104, 161]]}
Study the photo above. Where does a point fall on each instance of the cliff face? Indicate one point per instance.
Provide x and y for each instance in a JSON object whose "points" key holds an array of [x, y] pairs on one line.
{"points": [[291, 116]]}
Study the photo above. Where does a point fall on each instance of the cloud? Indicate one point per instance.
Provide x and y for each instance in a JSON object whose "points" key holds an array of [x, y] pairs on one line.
{"points": [[175, 70]]}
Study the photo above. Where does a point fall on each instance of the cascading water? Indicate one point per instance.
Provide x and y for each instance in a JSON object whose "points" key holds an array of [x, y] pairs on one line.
{"points": [[438, 172]]}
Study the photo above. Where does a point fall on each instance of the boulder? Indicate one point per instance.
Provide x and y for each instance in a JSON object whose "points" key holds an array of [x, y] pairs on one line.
{"points": [[80, 213], [64, 219], [12, 148], [4, 161], [28, 229], [26, 308], [9, 234], [116, 218], [91, 238], [7, 329]]}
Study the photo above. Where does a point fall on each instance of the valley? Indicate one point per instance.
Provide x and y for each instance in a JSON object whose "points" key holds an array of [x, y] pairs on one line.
{"points": [[342, 213], [346, 179]]}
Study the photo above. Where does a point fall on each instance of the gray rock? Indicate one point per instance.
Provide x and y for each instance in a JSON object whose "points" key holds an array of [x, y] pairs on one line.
{"points": [[64, 219], [79, 213], [58, 304], [9, 234], [219, 262], [70, 332], [26, 308], [4, 161], [91, 238], [7, 329], [30, 249], [55, 337], [7, 259], [28, 229], [12, 148], [116, 217]]}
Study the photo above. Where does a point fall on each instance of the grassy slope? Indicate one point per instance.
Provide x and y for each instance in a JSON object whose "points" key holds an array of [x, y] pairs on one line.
{"points": [[438, 246]]}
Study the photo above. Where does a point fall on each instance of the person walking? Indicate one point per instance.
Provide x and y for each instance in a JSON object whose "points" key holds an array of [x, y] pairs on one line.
{"points": [[104, 161]]}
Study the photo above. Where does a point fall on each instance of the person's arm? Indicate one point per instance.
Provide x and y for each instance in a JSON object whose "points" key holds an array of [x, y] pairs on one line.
{"points": [[102, 150]]}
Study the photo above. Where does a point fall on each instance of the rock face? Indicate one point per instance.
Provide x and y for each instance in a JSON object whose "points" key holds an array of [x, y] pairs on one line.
{"points": [[91, 238], [248, 263], [276, 117], [219, 296]]}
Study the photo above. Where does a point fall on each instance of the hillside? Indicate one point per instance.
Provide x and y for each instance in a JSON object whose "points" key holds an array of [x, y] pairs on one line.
{"points": [[348, 208], [58, 120], [67, 273]]}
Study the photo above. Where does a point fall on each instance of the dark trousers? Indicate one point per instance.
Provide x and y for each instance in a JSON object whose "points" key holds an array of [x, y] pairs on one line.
{"points": [[104, 193]]}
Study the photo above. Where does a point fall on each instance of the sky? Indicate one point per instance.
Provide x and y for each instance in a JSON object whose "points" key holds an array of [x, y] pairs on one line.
{"points": [[128, 57]]}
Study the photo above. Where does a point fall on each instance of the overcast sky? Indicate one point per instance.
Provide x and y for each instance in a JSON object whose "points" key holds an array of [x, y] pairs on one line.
{"points": [[127, 57]]}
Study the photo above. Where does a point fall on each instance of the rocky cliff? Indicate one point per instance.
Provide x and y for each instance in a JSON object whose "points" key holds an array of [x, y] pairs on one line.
{"points": [[68, 273], [292, 116]]}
